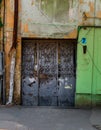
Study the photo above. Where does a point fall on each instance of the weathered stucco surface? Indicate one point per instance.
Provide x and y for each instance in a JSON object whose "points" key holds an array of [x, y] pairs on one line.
{"points": [[57, 19], [8, 39], [51, 21], [48, 19], [89, 12]]}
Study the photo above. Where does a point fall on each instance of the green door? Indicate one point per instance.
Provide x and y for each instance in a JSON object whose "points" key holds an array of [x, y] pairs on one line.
{"points": [[96, 98], [84, 67], [88, 74]]}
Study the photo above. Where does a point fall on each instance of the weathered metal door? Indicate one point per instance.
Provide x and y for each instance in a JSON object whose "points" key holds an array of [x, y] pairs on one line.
{"points": [[66, 74], [48, 76], [29, 83], [48, 70]]}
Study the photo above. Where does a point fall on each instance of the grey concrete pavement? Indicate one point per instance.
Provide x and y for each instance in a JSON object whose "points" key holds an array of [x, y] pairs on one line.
{"points": [[46, 118]]}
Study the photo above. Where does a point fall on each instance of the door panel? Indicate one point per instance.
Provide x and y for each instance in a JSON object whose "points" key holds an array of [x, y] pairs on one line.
{"points": [[84, 62], [48, 73], [29, 83], [66, 77], [97, 63]]}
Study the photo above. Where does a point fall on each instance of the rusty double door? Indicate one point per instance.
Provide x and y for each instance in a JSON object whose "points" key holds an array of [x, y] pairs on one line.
{"points": [[48, 72]]}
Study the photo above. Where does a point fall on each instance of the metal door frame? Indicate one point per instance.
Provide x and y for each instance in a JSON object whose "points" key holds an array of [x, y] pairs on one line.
{"points": [[74, 41]]}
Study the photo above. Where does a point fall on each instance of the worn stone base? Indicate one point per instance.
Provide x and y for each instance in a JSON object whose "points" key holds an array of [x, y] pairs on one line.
{"points": [[87, 100], [97, 100], [83, 100]]}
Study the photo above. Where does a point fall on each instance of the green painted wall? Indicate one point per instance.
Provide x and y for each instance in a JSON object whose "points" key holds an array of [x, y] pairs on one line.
{"points": [[88, 83]]}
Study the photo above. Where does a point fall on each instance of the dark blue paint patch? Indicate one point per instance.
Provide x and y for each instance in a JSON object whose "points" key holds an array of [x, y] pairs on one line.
{"points": [[84, 41]]}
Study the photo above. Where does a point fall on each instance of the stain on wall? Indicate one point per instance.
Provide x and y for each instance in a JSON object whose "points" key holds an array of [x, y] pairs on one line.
{"points": [[89, 12]]}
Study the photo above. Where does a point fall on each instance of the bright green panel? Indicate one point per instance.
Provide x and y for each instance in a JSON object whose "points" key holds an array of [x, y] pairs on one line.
{"points": [[97, 62], [84, 62]]}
